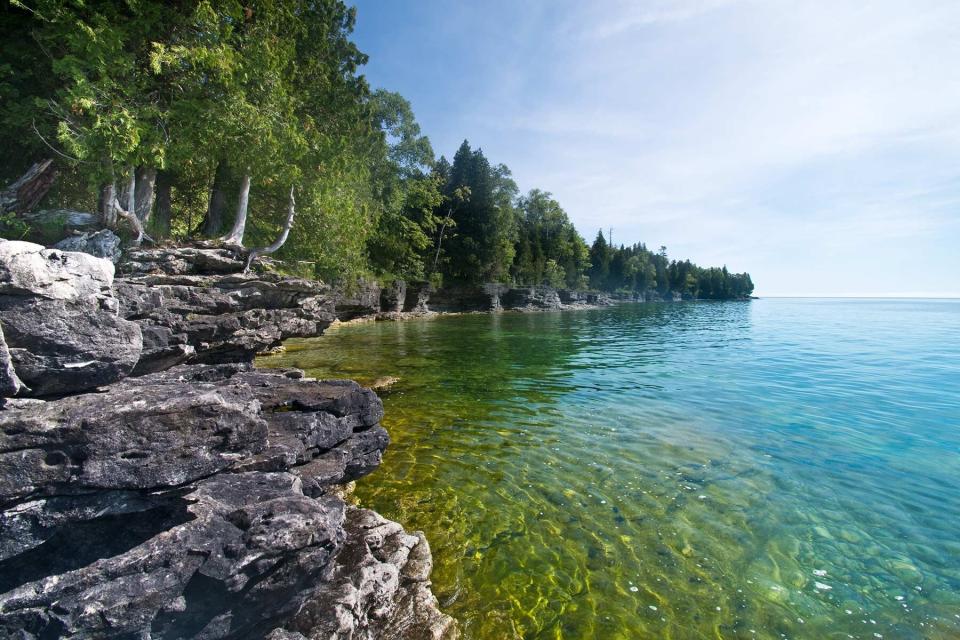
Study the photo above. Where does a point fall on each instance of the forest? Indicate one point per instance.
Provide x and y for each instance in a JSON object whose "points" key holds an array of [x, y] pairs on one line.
{"points": [[172, 120]]}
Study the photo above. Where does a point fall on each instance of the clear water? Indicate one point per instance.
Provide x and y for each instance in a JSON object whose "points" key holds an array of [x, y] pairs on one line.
{"points": [[767, 469]]}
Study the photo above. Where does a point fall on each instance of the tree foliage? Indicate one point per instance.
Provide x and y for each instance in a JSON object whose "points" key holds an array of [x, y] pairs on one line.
{"points": [[199, 98]]}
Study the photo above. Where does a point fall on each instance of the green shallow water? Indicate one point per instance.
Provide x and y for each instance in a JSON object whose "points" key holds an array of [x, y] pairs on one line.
{"points": [[767, 469]]}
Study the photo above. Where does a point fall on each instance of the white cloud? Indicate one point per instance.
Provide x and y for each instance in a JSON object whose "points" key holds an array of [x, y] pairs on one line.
{"points": [[700, 124]]}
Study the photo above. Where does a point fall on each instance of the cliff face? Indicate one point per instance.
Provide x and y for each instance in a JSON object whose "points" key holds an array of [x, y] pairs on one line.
{"points": [[199, 500], [419, 298]]}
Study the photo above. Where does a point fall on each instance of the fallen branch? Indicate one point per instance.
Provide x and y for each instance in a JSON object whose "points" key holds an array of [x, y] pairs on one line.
{"points": [[24, 194]]}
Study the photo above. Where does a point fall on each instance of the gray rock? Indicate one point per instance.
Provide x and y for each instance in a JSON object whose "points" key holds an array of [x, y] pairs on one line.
{"points": [[62, 219], [102, 244], [175, 505], [131, 437], [389, 597], [467, 298], [393, 296], [199, 501], [363, 299], [215, 319], [417, 297], [59, 347], [10, 384], [197, 260], [60, 321], [531, 298], [28, 269]]}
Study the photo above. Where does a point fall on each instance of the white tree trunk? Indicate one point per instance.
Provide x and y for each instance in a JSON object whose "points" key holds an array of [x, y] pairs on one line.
{"points": [[134, 222], [281, 239], [129, 214], [108, 213], [131, 191], [240, 224], [146, 181]]}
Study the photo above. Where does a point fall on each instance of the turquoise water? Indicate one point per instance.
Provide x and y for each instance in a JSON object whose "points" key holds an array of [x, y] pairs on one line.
{"points": [[768, 469]]}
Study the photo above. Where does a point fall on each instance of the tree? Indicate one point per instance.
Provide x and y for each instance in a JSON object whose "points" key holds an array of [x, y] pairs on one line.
{"points": [[599, 262], [409, 193], [482, 249], [546, 234]]}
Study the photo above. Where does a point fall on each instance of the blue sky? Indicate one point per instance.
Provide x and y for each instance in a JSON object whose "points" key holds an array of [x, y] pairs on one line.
{"points": [[814, 144]]}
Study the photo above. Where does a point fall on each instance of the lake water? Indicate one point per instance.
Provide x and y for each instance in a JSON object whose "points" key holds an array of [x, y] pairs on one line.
{"points": [[780, 468]]}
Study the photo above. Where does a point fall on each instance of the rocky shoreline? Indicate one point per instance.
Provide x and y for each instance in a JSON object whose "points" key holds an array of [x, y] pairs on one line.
{"points": [[154, 484]]}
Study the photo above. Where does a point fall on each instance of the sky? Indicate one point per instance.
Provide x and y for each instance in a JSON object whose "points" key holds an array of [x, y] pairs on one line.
{"points": [[813, 144]]}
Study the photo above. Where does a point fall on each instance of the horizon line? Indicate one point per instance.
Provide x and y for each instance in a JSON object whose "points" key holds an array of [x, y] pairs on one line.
{"points": [[870, 296]]}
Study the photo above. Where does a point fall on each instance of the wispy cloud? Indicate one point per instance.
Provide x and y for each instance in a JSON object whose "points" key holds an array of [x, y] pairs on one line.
{"points": [[782, 137], [627, 16]]}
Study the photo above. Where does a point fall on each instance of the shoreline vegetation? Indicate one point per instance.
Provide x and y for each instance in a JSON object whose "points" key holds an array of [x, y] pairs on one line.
{"points": [[253, 127]]}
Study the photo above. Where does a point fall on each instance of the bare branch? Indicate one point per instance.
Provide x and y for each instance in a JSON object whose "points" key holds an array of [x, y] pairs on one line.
{"points": [[281, 239], [55, 150], [134, 222]]}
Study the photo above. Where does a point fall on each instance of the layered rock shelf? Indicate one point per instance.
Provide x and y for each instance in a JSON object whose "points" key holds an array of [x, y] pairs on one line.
{"points": [[154, 484]]}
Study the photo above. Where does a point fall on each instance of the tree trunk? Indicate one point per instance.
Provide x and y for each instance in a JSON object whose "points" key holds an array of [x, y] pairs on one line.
{"points": [[111, 211], [213, 222], [281, 239], [131, 191], [240, 224], [164, 206], [108, 214], [146, 179], [24, 194]]}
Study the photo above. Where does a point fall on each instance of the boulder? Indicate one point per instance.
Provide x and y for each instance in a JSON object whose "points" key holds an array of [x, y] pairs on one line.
{"points": [[30, 270], [59, 347], [47, 222], [102, 244], [60, 321]]}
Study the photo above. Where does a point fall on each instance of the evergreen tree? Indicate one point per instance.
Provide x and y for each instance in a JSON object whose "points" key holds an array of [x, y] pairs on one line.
{"points": [[599, 262]]}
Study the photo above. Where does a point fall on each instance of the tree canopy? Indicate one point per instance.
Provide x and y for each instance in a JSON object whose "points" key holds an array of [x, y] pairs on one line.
{"points": [[190, 110]]}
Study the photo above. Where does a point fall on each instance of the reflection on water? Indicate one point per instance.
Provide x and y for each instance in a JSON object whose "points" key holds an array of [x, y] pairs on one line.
{"points": [[771, 469]]}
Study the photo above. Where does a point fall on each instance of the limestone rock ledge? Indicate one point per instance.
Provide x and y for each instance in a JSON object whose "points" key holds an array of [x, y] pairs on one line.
{"points": [[196, 500], [199, 503]]}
